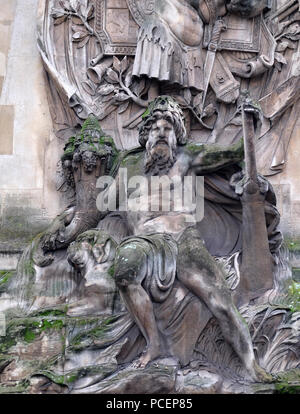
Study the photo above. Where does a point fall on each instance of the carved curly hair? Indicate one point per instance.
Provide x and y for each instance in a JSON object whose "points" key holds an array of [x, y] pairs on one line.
{"points": [[163, 107]]}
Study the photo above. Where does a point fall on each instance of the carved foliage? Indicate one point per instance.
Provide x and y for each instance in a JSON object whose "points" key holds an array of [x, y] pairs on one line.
{"points": [[114, 86], [81, 12]]}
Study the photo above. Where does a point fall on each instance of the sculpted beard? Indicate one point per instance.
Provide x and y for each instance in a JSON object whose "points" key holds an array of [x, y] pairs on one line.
{"points": [[160, 157]]}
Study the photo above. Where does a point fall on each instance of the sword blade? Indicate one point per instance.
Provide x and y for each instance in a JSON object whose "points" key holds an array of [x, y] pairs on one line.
{"points": [[208, 67]]}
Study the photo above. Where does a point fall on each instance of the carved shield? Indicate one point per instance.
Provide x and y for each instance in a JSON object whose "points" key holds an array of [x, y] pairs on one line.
{"points": [[117, 23], [241, 34]]}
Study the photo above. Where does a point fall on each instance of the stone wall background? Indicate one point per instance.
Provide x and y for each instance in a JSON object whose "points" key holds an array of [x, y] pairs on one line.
{"points": [[29, 151]]}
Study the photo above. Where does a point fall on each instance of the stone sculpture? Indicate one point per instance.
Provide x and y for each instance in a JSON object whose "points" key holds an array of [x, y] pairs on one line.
{"points": [[151, 296], [136, 255]]}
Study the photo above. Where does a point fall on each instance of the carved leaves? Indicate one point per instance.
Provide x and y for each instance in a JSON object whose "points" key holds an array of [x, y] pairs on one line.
{"points": [[280, 58], [87, 11], [275, 336], [112, 84], [195, 105], [112, 76], [107, 89], [293, 32], [81, 36], [120, 66], [121, 73], [285, 44], [80, 11], [287, 33], [80, 7], [70, 5]]}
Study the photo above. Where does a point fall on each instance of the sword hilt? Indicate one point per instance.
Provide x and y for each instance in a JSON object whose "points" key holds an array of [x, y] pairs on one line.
{"points": [[219, 27]]}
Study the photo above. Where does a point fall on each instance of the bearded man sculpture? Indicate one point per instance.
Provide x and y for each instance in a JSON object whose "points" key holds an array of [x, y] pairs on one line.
{"points": [[165, 246]]}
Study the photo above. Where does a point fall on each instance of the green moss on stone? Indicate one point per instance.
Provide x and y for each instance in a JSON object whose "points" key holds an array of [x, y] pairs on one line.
{"points": [[53, 324], [19, 388], [293, 245], [296, 273], [286, 388], [288, 382], [51, 312], [146, 113], [29, 336], [111, 271], [27, 330], [71, 378], [90, 335], [133, 163], [6, 342], [92, 138], [5, 276], [29, 267], [294, 296], [58, 379]]}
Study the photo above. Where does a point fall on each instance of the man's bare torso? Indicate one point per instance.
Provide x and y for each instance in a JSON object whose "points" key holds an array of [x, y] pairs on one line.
{"points": [[163, 209], [183, 20]]}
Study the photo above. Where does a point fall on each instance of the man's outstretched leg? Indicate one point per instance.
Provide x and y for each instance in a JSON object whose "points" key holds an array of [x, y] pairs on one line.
{"points": [[140, 307], [199, 272], [130, 271]]}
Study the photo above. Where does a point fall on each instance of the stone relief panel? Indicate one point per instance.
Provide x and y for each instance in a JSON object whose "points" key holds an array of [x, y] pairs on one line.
{"points": [[153, 295], [98, 64]]}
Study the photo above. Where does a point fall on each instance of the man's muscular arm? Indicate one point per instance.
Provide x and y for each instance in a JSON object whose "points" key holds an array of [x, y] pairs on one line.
{"points": [[210, 158]]}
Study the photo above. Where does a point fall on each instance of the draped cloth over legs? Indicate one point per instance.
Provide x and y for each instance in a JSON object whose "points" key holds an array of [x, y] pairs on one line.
{"points": [[153, 257]]}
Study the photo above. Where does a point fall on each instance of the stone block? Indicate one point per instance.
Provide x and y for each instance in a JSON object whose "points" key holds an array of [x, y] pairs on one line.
{"points": [[24, 82], [9, 260], [22, 218], [23, 41], [6, 129], [2, 65], [25, 170], [8, 8], [1, 83], [5, 37], [296, 210]]}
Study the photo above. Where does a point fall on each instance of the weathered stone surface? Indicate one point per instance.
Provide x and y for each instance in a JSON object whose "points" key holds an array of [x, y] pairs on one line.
{"points": [[7, 10], [199, 382], [90, 343], [6, 129], [25, 127], [157, 379]]}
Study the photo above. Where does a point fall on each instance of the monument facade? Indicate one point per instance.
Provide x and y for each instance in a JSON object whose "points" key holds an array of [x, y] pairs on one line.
{"points": [[168, 265]]}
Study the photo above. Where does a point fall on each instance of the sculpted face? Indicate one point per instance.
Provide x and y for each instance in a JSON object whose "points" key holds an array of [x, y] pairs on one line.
{"points": [[89, 161], [160, 132], [79, 255], [161, 146]]}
